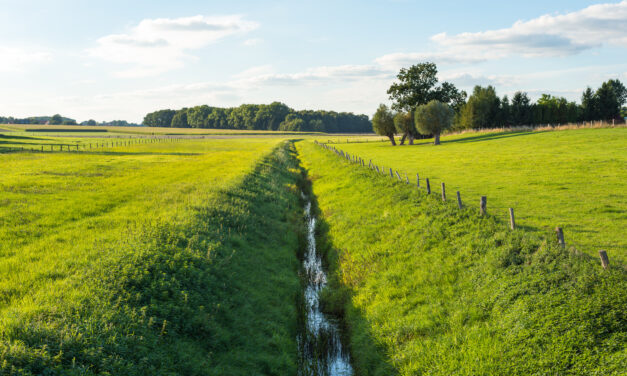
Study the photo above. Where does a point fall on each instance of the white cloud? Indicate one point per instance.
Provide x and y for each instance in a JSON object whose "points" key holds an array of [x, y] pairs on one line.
{"points": [[159, 45], [253, 42], [398, 60], [18, 59], [548, 35]]}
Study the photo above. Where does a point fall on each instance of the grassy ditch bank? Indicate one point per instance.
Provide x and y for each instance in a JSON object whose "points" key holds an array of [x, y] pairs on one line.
{"points": [[431, 289], [208, 289]]}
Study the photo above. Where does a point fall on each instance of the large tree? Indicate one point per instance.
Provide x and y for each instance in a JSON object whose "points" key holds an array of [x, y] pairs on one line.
{"points": [[383, 123], [434, 118], [404, 124], [417, 86], [482, 109]]}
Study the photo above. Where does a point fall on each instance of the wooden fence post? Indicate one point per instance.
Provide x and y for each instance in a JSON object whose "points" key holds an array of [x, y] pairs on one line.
{"points": [[406, 178], [377, 167], [512, 222], [459, 200], [428, 186], [398, 176], [605, 261], [417, 181], [483, 203], [560, 237], [443, 192], [391, 173]]}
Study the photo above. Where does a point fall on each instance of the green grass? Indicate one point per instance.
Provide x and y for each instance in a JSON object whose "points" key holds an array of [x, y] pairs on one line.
{"points": [[574, 179], [144, 130], [153, 259], [428, 289]]}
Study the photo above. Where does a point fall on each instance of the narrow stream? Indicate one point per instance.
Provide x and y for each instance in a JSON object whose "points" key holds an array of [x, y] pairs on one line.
{"points": [[320, 345]]}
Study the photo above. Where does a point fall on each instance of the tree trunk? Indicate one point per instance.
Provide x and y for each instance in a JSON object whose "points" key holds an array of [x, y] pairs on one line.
{"points": [[403, 138], [436, 139], [411, 139], [392, 140]]}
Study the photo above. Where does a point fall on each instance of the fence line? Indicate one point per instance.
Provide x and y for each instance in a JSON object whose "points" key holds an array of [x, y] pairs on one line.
{"points": [[559, 233], [88, 146]]}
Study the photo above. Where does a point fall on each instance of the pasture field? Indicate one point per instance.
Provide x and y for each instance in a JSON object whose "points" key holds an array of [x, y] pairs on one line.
{"points": [[575, 179], [426, 288], [167, 258], [138, 130]]}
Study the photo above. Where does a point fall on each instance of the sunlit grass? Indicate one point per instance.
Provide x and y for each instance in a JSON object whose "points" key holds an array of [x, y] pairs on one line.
{"points": [[575, 179], [441, 291], [149, 259]]}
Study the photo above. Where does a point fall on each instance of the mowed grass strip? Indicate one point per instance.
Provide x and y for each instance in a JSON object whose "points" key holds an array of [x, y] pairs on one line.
{"points": [[428, 289], [175, 259], [574, 179]]}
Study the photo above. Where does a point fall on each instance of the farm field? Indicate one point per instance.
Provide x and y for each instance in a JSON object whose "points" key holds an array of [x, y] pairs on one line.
{"points": [[426, 288], [150, 259], [574, 179], [38, 129]]}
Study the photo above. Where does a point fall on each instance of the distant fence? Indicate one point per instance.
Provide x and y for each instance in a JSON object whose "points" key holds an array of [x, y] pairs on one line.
{"points": [[483, 201], [87, 146]]}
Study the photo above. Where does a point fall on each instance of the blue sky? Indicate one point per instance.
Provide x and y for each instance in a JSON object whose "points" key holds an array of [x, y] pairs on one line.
{"points": [[120, 59]]}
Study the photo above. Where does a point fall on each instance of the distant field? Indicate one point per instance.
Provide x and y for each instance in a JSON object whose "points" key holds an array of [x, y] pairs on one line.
{"points": [[576, 179], [142, 130], [149, 259]]}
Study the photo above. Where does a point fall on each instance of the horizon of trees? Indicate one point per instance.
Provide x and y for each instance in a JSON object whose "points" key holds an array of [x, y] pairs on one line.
{"points": [[418, 85], [275, 116], [57, 119], [484, 108]]}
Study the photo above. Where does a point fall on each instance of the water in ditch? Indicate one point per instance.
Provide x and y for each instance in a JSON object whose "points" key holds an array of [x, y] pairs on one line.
{"points": [[320, 345]]}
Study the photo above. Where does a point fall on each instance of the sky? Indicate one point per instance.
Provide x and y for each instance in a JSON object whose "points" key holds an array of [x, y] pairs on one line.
{"points": [[108, 60]]}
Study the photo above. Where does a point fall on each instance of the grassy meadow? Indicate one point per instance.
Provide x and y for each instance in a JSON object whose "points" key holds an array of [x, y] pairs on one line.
{"points": [[85, 130], [574, 179], [426, 288], [166, 258]]}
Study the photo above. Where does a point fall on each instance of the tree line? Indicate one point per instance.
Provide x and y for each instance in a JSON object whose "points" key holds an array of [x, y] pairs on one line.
{"points": [[61, 120], [273, 117], [484, 109], [421, 107]]}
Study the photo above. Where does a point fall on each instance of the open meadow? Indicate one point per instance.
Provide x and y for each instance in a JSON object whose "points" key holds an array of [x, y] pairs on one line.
{"points": [[427, 288], [143, 255], [574, 179], [149, 259]]}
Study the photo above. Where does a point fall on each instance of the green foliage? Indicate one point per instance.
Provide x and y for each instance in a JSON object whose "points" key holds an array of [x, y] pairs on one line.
{"points": [[383, 123], [159, 259], [161, 118], [433, 118], [275, 116], [404, 124], [441, 291], [482, 108], [416, 86], [56, 119], [179, 120]]}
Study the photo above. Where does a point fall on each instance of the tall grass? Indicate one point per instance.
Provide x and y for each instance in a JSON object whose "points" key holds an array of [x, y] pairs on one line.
{"points": [[434, 290], [155, 260]]}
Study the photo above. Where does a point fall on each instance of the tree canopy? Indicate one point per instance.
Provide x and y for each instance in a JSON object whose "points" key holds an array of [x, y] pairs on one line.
{"points": [[273, 116], [434, 118], [383, 123], [416, 86]]}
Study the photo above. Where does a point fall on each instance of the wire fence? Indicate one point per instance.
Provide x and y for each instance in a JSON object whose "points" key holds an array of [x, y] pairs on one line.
{"points": [[505, 213], [78, 146]]}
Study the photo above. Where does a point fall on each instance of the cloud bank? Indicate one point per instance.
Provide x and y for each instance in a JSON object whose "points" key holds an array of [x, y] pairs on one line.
{"points": [[159, 45]]}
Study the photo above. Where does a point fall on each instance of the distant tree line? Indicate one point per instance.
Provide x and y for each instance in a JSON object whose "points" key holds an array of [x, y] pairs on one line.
{"points": [[484, 109], [60, 120], [273, 117], [421, 107]]}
